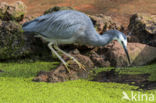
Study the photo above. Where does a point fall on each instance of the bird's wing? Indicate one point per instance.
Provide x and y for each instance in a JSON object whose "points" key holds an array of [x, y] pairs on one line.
{"points": [[62, 24], [37, 24]]}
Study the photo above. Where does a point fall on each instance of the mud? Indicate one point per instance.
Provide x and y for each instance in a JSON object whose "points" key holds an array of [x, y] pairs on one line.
{"points": [[1, 71]]}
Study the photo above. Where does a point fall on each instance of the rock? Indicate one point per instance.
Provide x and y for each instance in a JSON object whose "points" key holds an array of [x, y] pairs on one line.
{"points": [[140, 54], [99, 59], [143, 27], [11, 40], [110, 55], [14, 11], [60, 74], [27, 19], [103, 23], [57, 8], [3, 9], [14, 44], [42, 76]]}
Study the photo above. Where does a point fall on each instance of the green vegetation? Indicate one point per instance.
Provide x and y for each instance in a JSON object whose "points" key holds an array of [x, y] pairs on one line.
{"points": [[16, 86]]}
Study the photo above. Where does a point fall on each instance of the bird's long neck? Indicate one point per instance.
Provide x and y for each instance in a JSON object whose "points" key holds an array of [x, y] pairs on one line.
{"points": [[101, 40], [105, 38]]}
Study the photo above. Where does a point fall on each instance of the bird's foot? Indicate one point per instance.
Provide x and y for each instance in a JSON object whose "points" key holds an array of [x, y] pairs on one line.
{"points": [[66, 66], [81, 66], [71, 57]]}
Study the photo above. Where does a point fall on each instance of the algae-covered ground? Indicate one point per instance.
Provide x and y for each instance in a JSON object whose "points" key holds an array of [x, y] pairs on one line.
{"points": [[16, 86]]}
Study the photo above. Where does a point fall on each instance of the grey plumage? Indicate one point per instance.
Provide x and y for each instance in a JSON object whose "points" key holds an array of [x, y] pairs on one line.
{"points": [[58, 25], [70, 26]]}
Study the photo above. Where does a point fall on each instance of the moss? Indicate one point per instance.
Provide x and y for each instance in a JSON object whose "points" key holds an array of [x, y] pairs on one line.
{"points": [[17, 15], [14, 11], [1, 15], [11, 40], [16, 86]]}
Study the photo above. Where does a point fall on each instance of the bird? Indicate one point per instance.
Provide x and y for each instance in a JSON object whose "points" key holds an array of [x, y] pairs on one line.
{"points": [[71, 27]]}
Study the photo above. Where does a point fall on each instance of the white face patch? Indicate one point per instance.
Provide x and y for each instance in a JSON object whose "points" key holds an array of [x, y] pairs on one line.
{"points": [[120, 39], [125, 42]]}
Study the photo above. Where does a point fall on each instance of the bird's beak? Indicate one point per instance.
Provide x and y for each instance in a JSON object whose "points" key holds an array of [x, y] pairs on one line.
{"points": [[126, 51]]}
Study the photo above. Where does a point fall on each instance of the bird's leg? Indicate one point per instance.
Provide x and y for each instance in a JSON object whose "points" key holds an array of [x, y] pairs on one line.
{"points": [[65, 64], [71, 57]]}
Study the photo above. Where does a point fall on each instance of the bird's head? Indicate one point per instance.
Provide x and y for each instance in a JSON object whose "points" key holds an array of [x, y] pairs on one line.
{"points": [[122, 39]]}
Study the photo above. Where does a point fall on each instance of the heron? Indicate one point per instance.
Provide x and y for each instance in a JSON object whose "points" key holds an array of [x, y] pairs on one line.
{"points": [[71, 27]]}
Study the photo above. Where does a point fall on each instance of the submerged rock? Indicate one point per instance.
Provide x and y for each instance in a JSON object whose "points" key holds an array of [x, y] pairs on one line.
{"points": [[143, 28], [14, 11]]}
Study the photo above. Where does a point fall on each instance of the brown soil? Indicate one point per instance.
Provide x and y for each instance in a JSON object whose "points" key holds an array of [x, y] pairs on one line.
{"points": [[140, 80], [120, 10]]}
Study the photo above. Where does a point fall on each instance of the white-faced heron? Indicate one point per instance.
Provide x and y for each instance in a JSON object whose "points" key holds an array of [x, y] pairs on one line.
{"points": [[69, 27]]}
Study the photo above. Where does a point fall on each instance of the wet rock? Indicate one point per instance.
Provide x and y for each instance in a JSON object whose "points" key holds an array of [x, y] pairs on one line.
{"points": [[57, 8], [143, 27], [103, 23], [14, 11], [60, 74]]}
